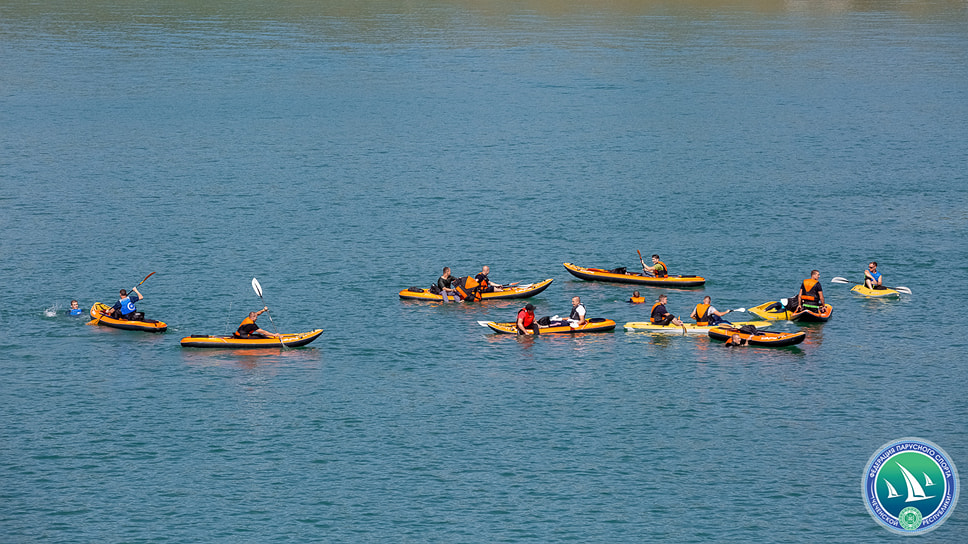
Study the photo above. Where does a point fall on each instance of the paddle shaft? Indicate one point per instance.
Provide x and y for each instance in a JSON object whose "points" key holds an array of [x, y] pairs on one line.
{"points": [[257, 287], [900, 289]]}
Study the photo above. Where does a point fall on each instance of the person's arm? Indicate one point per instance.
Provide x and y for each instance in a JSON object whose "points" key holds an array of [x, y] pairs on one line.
{"points": [[581, 316], [820, 293], [694, 314], [519, 324], [267, 333]]}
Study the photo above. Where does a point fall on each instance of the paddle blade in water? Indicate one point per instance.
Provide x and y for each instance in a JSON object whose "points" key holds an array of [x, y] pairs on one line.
{"points": [[257, 287]]}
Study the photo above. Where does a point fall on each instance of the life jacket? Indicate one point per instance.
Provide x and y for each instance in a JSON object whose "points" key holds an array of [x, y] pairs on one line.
{"points": [[652, 316], [527, 318], [574, 312], [75, 311], [483, 281], [809, 289], [127, 306], [637, 300], [467, 288], [248, 330], [665, 270], [702, 314]]}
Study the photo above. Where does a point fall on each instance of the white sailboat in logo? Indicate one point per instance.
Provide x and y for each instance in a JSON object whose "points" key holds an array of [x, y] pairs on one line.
{"points": [[927, 480], [914, 490], [891, 492]]}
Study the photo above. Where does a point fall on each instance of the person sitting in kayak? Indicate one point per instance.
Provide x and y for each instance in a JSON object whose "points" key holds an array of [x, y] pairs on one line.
{"points": [[873, 278], [577, 316], [525, 321], [446, 285], [660, 316], [658, 268], [484, 283], [75, 309], [811, 292], [248, 328], [706, 314], [636, 298], [124, 308]]}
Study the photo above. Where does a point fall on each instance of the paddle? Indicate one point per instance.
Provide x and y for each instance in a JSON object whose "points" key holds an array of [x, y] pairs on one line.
{"points": [[641, 260], [838, 279], [257, 287], [97, 319]]}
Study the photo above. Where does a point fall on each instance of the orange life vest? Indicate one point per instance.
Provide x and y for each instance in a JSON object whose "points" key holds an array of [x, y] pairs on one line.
{"points": [[246, 321], [637, 300], [652, 312], [809, 290], [702, 317], [665, 270]]}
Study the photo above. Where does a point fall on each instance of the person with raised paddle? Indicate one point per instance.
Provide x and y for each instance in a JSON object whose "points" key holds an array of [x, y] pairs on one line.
{"points": [[661, 316], [705, 314], [811, 293], [124, 308], [248, 328], [872, 278], [658, 268], [525, 321]]}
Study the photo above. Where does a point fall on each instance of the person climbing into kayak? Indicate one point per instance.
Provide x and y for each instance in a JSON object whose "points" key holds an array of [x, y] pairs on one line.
{"points": [[658, 268], [124, 308], [446, 285], [661, 316], [736, 340], [484, 283], [636, 298], [811, 292], [525, 321], [873, 278], [249, 329], [706, 314]]}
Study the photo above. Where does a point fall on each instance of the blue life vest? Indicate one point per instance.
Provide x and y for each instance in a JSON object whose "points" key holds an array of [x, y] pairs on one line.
{"points": [[75, 311], [127, 306]]}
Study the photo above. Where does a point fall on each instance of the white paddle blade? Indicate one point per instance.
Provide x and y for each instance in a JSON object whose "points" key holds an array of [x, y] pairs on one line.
{"points": [[257, 287], [740, 310], [904, 290], [838, 279], [483, 323]]}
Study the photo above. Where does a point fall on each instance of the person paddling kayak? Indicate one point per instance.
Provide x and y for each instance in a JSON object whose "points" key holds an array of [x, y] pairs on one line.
{"points": [[124, 308], [249, 329], [872, 278]]}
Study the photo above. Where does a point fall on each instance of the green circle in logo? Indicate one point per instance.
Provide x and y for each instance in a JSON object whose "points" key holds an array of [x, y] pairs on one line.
{"points": [[910, 518]]}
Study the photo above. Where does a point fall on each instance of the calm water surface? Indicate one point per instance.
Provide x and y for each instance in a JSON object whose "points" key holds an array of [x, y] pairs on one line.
{"points": [[344, 151]]}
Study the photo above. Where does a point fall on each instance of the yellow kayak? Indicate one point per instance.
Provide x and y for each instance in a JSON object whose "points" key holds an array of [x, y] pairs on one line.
{"points": [[592, 325], [690, 328], [874, 293], [289, 340]]}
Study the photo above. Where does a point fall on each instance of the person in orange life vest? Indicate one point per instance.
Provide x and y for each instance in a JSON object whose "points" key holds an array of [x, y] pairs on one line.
{"points": [[736, 340], [636, 298], [706, 314], [248, 327], [873, 278], [811, 292], [484, 282], [658, 268], [526, 320], [446, 284], [124, 307], [660, 316]]}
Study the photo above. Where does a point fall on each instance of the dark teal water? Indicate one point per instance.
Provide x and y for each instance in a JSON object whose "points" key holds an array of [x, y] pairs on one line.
{"points": [[340, 153]]}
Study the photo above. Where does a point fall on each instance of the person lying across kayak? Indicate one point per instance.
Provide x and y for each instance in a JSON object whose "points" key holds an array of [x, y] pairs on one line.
{"points": [[736, 340], [811, 292], [484, 283], [706, 314], [661, 316], [658, 268], [124, 308], [249, 329], [873, 278], [525, 321], [636, 298], [446, 285]]}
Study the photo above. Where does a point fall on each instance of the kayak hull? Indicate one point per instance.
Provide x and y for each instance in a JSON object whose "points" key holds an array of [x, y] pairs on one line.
{"points": [[810, 316], [520, 291], [636, 278], [146, 325], [592, 325], [875, 293], [690, 328], [289, 340], [761, 338]]}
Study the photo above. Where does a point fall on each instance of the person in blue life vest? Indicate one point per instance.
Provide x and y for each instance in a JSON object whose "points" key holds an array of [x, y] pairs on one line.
{"points": [[248, 328], [872, 278], [74, 309], [124, 308]]}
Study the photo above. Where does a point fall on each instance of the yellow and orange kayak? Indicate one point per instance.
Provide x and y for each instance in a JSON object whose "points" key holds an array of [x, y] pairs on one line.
{"points": [[638, 278], [592, 325], [518, 291], [288, 340], [98, 317], [759, 338]]}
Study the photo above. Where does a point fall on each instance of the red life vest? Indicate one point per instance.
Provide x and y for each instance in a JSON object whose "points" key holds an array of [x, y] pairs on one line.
{"points": [[526, 317]]}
